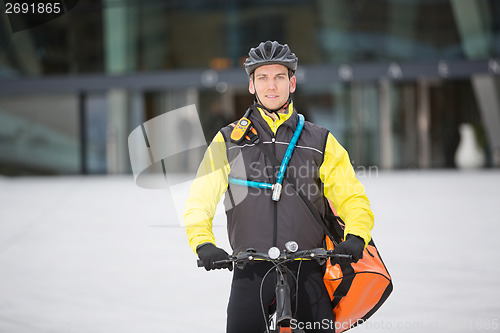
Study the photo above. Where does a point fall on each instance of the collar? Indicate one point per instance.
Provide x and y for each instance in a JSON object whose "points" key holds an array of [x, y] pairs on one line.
{"points": [[282, 118]]}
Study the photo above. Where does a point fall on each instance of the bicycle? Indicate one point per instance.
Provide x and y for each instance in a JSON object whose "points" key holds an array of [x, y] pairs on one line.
{"points": [[281, 320]]}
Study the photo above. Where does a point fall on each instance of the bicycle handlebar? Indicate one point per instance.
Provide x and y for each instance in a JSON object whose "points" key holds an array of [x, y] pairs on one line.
{"points": [[248, 256]]}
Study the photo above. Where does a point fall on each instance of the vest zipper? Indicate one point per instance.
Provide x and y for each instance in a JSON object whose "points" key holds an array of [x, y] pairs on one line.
{"points": [[275, 203]]}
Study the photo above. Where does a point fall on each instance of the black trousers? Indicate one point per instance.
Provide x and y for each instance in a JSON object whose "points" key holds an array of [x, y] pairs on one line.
{"points": [[313, 308]]}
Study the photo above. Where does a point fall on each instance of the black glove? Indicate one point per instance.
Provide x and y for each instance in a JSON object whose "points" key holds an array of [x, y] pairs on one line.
{"points": [[209, 253], [353, 245]]}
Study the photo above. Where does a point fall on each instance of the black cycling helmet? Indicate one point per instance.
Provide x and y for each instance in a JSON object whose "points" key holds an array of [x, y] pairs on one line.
{"points": [[268, 53]]}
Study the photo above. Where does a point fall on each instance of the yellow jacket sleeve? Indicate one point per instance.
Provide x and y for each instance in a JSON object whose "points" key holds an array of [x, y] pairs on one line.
{"points": [[205, 192], [345, 191]]}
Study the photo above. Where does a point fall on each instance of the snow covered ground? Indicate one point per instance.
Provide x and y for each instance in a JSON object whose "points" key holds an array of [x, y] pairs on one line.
{"points": [[101, 255]]}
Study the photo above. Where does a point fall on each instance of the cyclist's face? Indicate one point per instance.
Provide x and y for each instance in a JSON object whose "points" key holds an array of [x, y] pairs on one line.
{"points": [[272, 85]]}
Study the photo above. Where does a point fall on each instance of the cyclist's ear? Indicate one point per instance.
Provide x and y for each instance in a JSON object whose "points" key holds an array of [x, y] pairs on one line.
{"points": [[251, 87], [293, 84]]}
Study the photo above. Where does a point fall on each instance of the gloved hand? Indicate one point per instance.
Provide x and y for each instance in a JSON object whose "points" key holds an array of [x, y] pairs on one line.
{"points": [[209, 253], [353, 245]]}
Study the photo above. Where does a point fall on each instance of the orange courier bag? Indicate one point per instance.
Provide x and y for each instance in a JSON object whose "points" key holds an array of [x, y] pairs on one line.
{"points": [[356, 290]]}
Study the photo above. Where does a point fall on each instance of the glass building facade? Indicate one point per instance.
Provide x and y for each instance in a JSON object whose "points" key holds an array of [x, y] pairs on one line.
{"points": [[393, 80]]}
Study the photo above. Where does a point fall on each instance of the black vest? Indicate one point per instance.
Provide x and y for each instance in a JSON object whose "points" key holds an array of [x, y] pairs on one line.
{"points": [[254, 220]]}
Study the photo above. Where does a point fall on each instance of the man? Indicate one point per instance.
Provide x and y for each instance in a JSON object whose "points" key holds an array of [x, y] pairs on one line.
{"points": [[319, 165]]}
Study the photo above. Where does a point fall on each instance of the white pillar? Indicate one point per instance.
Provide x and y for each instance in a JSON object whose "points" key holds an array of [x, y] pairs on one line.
{"points": [[387, 160], [117, 156]]}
